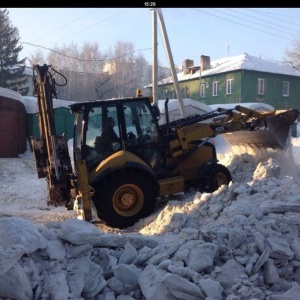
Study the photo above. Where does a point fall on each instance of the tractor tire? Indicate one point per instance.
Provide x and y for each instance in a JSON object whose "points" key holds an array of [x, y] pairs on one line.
{"points": [[216, 176], [124, 199]]}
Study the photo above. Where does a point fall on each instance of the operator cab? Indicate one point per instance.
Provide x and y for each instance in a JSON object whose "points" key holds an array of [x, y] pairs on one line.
{"points": [[135, 129]]}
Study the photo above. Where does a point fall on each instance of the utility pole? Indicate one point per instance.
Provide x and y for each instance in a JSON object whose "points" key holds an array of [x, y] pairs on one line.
{"points": [[171, 62], [154, 56]]}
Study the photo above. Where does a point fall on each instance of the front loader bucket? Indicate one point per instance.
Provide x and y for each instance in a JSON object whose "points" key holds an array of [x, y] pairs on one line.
{"points": [[276, 134]]}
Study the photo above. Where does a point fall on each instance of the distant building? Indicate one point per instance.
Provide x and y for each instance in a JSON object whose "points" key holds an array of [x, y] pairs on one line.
{"points": [[238, 79]]}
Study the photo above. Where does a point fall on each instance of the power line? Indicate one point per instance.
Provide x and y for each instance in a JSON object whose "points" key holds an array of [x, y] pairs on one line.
{"points": [[75, 32], [264, 21], [242, 24], [250, 21], [87, 60], [91, 26], [46, 35], [272, 13], [198, 10]]}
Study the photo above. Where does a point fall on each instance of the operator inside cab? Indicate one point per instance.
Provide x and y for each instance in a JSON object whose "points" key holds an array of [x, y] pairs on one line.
{"points": [[104, 143], [108, 135]]}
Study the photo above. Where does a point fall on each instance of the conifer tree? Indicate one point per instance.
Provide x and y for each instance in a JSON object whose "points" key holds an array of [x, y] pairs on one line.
{"points": [[11, 68]]}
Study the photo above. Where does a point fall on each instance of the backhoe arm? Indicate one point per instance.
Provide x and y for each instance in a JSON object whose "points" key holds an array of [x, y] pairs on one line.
{"points": [[51, 151]]}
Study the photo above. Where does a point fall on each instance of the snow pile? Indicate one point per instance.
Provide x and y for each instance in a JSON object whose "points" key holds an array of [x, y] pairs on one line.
{"points": [[240, 242]]}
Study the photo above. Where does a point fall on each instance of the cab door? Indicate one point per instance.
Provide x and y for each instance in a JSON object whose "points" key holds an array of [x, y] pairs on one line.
{"points": [[143, 135]]}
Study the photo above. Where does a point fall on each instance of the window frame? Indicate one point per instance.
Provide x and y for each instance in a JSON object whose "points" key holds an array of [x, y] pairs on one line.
{"points": [[229, 86], [203, 90], [261, 86], [285, 88], [215, 89]]}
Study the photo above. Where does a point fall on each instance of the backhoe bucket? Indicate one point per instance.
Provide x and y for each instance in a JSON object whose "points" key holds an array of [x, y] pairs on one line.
{"points": [[276, 134]]}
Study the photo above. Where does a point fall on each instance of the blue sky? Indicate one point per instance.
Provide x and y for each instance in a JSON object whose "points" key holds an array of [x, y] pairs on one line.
{"points": [[192, 32]]}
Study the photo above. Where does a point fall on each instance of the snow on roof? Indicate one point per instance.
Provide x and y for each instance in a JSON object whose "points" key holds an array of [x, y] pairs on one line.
{"points": [[30, 103], [10, 94], [32, 107], [249, 62], [234, 63]]}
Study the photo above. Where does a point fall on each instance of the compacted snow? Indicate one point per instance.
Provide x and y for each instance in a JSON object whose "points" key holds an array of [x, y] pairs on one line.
{"points": [[240, 242]]}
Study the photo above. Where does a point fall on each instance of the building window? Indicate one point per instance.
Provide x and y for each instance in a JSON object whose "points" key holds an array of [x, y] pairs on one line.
{"points": [[202, 90], [261, 86], [286, 89], [185, 92], [229, 86], [215, 88]]}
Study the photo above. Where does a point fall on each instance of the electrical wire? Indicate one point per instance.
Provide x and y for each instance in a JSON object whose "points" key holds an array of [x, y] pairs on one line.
{"points": [[243, 25], [80, 59]]}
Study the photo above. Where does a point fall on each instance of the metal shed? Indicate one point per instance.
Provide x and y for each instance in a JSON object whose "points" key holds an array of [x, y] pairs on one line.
{"points": [[64, 120], [191, 107], [12, 124]]}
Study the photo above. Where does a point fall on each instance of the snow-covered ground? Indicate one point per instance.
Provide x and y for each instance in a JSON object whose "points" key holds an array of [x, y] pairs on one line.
{"points": [[241, 242]]}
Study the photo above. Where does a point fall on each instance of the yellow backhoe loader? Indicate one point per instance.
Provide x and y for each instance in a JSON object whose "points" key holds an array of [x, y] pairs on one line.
{"points": [[125, 176]]}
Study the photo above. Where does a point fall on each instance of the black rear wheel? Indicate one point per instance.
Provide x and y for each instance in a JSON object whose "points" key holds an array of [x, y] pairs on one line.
{"points": [[124, 199], [217, 176]]}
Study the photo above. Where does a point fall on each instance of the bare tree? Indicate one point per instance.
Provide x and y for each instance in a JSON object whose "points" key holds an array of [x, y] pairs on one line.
{"points": [[104, 87], [37, 58], [93, 75], [123, 60], [81, 67], [293, 55], [129, 69]]}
